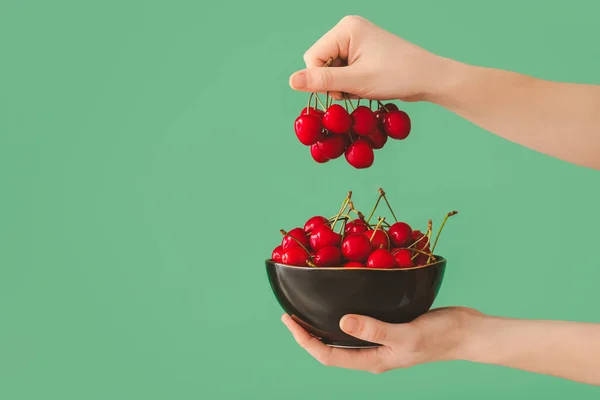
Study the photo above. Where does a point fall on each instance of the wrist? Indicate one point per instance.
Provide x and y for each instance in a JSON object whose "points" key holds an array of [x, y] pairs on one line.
{"points": [[447, 77]]}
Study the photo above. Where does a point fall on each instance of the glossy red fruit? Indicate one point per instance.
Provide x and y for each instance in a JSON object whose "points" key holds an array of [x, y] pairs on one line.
{"points": [[355, 226], [403, 258], [323, 236], [308, 129], [390, 107], [336, 119], [356, 247], [378, 239], [354, 264], [313, 111], [400, 234], [377, 138], [360, 154], [381, 259], [328, 256], [332, 146], [276, 255], [397, 124], [313, 222], [295, 256], [363, 120], [299, 235], [317, 155]]}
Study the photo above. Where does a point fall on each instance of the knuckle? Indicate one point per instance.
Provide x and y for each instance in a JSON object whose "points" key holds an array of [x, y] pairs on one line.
{"points": [[327, 78], [307, 56], [377, 370], [351, 20]]}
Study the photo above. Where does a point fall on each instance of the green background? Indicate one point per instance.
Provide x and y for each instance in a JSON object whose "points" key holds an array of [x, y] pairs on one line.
{"points": [[147, 162]]}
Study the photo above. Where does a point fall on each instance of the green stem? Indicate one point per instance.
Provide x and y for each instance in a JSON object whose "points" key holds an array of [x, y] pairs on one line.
{"points": [[322, 105], [388, 204], [309, 100], [342, 209], [349, 100], [374, 209], [442, 227]]}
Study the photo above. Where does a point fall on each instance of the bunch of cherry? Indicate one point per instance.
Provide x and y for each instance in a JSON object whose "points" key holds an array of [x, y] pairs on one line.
{"points": [[357, 243], [336, 130]]}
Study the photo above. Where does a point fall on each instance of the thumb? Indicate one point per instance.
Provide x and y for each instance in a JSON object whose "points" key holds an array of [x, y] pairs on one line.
{"points": [[323, 79], [368, 329]]}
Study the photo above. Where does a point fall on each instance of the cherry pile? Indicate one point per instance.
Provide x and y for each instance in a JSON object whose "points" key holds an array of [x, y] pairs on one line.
{"points": [[356, 242], [355, 131]]}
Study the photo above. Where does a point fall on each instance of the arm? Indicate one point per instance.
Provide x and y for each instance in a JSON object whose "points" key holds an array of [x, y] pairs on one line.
{"points": [[568, 350], [558, 119]]}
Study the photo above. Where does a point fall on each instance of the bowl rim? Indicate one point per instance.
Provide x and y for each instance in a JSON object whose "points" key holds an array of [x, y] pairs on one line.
{"points": [[439, 259]]}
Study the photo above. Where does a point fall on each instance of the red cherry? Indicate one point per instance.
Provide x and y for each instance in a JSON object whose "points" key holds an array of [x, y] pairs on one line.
{"points": [[360, 154], [354, 264], [294, 256], [299, 235], [276, 255], [363, 120], [312, 111], [328, 256], [397, 124], [377, 138], [381, 259], [379, 238], [356, 247], [337, 119], [391, 107], [308, 129], [332, 146], [313, 222], [423, 245], [356, 226], [403, 258], [323, 236], [400, 234], [317, 155]]}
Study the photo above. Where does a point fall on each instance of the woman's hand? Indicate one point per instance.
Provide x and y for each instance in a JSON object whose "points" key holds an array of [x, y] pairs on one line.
{"points": [[373, 64], [568, 350], [435, 336]]}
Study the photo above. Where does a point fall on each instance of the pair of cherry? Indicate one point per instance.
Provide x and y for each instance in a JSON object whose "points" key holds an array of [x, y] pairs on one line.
{"points": [[334, 130]]}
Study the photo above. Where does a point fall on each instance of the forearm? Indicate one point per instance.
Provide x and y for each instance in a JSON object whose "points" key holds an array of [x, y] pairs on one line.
{"points": [[568, 350], [558, 119]]}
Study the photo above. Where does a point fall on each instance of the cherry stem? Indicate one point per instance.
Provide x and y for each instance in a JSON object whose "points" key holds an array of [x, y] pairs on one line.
{"points": [[309, 100], [450, 214], [429, 230], [383, 106], [320, 102], [388, 204], [374, 208], [343, 208], [284, 233], [377, 227], [358, 102], [370, 104], [350, 101], [343, 227]]}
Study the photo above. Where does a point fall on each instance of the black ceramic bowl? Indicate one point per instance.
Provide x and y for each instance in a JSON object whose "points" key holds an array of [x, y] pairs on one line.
{"points": [[317, 298]]}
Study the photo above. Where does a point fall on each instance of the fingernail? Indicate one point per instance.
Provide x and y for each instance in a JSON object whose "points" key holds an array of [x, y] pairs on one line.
{"points": [[349, 324], [299, 80]]}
